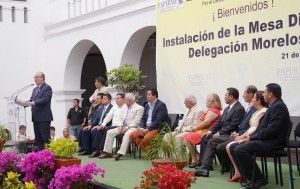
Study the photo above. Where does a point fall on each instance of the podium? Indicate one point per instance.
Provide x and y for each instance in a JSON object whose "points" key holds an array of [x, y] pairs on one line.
{"points": [[14, 105]]}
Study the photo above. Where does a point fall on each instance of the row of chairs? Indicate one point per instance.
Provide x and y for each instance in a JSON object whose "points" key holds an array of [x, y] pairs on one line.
{"points": [[276, 155]]}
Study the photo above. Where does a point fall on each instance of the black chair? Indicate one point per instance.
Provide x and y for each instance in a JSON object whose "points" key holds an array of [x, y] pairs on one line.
{"points": [[277, 160], [135, 147], [119, 139], [296, 144]]}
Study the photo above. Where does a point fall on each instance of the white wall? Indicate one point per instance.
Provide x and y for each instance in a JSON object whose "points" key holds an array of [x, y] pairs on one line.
{"points": [[111, 37], [46, 44], [22, 51]]}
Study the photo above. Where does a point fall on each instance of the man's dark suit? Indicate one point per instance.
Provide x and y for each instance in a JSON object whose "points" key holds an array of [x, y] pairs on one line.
{"points": [[89, 136], [228, 123], [41, 114], [270, 135], [159, 116], [243, 127]]}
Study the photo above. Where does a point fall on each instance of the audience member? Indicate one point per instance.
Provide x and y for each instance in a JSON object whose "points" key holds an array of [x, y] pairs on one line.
{"points": [[269, 136], [130, 120], [76, 119], [153, 120], [213, 103], [100, 88], [243, 127], [66, 134], [21, 139], [99, 130], [88, 136], [21, 136], [260, 105], [52, 133], [221, 130], [114, 117]]}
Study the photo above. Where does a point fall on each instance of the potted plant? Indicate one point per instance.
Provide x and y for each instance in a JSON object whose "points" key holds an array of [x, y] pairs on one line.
{"points": [[166, 176], [9, 162], [4, 134], [64, 151], [126, 79], [38, 167], [166, 151], [75, 176]]}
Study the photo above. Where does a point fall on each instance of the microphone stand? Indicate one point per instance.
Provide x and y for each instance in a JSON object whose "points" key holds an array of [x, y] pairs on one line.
{"points": [[21, 90], [18, 109]]}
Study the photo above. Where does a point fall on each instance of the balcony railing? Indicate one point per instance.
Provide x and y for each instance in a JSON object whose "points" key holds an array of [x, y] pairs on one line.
{"points": [[79, 7]]}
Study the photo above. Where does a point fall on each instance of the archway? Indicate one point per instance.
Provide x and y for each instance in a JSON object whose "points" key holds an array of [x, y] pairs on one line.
{"points": [[84, 64], [140, 51]]}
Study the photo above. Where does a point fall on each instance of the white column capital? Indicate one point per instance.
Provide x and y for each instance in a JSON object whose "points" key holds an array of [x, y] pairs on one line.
{"points": [[66, 95]]}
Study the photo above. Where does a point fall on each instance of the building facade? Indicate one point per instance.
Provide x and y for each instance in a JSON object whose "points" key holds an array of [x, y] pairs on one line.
{"points": [[72, 42]]}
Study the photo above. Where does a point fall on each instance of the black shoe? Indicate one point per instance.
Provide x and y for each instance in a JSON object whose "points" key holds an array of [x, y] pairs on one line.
{"points": [[258, 183], [202, 172], [246, 183], [84, 153], [80, 151]]}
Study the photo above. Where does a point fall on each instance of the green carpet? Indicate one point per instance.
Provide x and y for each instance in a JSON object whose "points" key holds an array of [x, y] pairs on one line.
{"points": [[126, 173]]}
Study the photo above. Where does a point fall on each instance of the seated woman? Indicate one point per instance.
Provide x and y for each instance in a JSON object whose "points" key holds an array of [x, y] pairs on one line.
{"points": [[213, 103], [261, 107]]}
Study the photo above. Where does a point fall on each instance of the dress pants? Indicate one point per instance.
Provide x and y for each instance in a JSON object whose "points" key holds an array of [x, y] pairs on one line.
{"points": [[74, 131], [80, 138], [211, 150], [243, 153], [88, 138], [41, 133], [221, 151], [100, 138], [203, 145], [143, 142], [111, 134]]}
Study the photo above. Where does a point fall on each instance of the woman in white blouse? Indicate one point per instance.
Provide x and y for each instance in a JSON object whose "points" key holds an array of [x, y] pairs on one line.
{"points": [[261, 107]]}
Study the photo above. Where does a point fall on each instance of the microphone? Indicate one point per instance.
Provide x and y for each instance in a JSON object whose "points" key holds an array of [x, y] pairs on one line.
{"points": [[21, 90]]}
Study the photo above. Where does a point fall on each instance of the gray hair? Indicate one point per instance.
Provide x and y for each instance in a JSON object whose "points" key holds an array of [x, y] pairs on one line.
{"points": [[192, 99], [130, 96]]}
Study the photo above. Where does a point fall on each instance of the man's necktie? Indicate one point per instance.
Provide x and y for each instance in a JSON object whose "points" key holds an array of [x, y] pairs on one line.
{"points": [[126, 117], [37, 90], [102, 115]]}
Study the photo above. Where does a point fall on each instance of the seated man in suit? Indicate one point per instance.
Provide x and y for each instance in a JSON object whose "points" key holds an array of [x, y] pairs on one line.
{"points": [[270, 135], [191, 118], [113, 116], [221, 130], [130, 120], [88, 131], [154, 117], [243, 127]]}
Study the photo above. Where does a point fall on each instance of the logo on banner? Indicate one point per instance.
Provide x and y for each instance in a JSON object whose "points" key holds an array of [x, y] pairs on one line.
{"points": [[200, 79], [288, 73], [166, 5]]}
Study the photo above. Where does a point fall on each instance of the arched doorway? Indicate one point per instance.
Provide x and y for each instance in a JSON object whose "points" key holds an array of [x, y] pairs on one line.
{"points": [[140, 51], [84, 64], [93, 67]]}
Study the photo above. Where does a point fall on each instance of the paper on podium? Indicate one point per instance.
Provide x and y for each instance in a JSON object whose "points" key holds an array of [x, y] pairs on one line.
{"points": [[20, 102]]}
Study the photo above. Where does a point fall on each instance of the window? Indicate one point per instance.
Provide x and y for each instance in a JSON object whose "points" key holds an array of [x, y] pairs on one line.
{"points": [[25, 15], [1, 14], [13, 14]]}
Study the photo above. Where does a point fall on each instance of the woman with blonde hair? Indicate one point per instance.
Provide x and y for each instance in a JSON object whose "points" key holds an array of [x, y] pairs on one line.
{"points": [[208, 119]]}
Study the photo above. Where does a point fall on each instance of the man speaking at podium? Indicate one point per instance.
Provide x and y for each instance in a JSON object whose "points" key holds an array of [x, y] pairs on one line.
{"points": [[40, 103]]}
